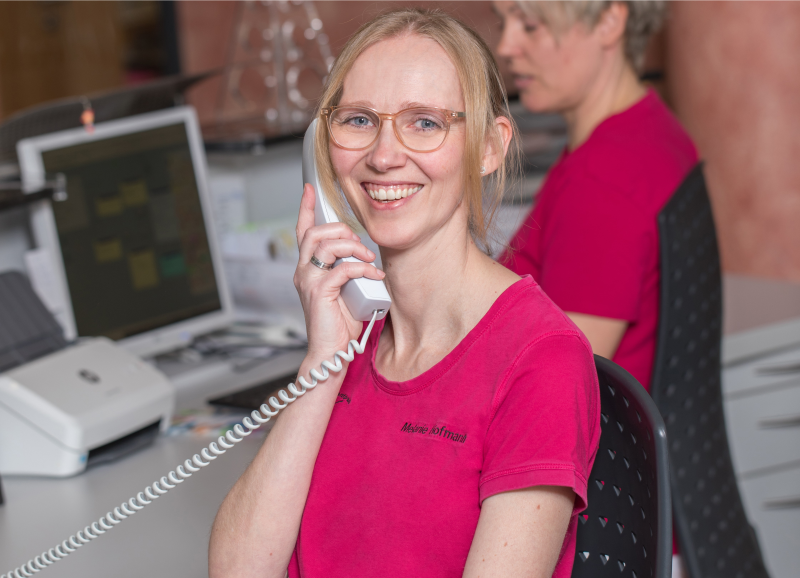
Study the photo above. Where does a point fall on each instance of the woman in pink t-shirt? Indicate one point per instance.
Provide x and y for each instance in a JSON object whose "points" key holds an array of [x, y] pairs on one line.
{"points": [[591, 241], [460, 442]]}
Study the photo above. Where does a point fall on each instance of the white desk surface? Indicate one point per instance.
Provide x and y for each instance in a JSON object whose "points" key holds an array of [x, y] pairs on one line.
{"points": [[167, 538]]}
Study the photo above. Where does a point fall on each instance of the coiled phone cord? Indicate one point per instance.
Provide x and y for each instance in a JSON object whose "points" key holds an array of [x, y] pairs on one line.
{"points": [[190, 466]]}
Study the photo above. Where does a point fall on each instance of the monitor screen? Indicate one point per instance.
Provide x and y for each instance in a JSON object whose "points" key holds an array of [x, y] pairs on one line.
{"points": [[133, 239]]}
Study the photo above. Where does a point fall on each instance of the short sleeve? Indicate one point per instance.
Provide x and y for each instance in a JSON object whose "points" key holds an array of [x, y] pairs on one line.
{"points": [[545, 427], [597, 249]]}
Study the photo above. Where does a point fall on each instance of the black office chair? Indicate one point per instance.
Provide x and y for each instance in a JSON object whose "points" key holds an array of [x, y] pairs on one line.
{"points": [[626, 531], [714, 535]]}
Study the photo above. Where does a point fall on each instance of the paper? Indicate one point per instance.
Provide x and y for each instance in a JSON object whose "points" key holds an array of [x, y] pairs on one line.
{"points": [[229, 198], [44, 279], [42, 274], [210, 423], [108, 206], [142, 266], [107, 250], [133, 193]]}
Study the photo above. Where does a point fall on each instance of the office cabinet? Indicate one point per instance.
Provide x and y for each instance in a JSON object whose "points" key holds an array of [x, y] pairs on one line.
{"points": [[51, 50], [762, 412]]}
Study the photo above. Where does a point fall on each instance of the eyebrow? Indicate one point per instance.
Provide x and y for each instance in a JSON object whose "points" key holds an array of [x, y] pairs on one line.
{"points": [[514, 10], [403, 105]]}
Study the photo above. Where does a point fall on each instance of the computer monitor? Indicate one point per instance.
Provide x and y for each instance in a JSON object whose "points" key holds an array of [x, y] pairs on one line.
{"points": [[133, 247]]}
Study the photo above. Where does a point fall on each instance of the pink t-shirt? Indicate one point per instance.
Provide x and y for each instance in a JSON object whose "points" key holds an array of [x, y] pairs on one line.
{"points": [[404, 466], [591, 241]]}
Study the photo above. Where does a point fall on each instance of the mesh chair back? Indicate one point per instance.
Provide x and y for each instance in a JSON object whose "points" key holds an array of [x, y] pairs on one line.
{"points": [[28, 330], [626, 531], [714, 536]]}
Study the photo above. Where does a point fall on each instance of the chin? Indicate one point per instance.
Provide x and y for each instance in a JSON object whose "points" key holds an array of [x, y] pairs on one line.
{"points": [[537, 102], [392, 239]]}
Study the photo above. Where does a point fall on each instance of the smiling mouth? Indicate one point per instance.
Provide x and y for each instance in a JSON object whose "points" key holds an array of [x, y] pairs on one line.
{"points": [[390, 193]]}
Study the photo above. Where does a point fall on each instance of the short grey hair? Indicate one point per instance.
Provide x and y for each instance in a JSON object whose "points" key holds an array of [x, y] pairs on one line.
{"points": [[644, 18]]}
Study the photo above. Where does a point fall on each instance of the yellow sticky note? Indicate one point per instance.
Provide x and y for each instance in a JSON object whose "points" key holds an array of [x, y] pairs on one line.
{"points": [[133, 193], [107, 250], [108, 206], [142, 265]]}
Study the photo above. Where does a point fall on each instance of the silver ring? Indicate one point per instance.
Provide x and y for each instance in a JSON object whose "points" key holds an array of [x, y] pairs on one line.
{"points": [[317, 263]]}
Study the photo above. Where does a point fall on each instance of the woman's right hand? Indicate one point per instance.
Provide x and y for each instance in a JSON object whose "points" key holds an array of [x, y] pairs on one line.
{"points": [[328, 322]]}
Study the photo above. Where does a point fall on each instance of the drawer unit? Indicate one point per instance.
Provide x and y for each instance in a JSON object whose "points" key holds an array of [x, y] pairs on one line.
{"points": [[762, 374], [762, 415], [772, 503], [764, 429]]}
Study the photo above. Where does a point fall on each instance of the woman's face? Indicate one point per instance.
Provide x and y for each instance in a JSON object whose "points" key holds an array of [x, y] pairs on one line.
{"points": [[392, 75], [552, 71]]}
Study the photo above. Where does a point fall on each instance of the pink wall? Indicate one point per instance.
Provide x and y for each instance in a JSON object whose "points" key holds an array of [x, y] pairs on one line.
{"points": [[204, 30], [733, 72]]}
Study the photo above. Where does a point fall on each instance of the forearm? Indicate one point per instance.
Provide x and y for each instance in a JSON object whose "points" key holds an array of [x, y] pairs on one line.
{"points": [[256, 527], [604, 333]]}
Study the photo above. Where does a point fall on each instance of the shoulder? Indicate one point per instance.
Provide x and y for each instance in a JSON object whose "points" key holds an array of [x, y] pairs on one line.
{"points": [[642, 154], [550, 363], [530, 317]]}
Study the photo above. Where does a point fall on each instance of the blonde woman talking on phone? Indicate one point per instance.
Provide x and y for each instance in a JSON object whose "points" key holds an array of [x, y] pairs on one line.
{"points": [[461, 441]]}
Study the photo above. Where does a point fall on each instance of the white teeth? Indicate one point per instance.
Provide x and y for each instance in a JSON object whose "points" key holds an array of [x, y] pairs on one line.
{"points": [[393, 194]]}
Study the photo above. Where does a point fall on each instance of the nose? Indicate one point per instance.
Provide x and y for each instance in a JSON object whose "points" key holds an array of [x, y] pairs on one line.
{"points": [[387, 151], [507, 48]]}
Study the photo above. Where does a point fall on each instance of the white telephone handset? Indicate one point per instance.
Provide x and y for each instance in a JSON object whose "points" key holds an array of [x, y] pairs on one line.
{"points": [[362, 296]]}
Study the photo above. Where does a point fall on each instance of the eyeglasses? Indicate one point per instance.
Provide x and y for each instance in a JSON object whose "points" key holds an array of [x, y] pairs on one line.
{"points": [[420, 129]]}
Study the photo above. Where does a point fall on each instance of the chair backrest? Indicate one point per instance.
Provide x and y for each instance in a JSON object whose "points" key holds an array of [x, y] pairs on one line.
{"points": [[626, 531], [714, 535]]}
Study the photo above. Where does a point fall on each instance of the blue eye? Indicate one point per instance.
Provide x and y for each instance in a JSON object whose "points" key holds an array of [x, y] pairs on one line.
{"points": [[358, 121], [427, 124]]}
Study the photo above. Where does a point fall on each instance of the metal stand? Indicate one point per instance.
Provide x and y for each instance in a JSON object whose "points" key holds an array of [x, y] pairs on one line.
{"points": [[13, 195]]}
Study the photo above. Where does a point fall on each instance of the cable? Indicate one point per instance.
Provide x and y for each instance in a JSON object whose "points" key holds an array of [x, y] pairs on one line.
{"points": [[190, 466]]}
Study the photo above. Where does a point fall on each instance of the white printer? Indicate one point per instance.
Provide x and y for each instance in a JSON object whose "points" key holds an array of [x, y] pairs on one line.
{"points": [[83, 404]]}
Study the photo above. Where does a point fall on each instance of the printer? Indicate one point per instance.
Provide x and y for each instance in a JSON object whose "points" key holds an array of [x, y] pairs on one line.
{"points": [[80, 405]]}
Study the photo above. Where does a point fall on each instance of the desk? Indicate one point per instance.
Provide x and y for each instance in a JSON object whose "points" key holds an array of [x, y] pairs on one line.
{"points": [[168, 537]]}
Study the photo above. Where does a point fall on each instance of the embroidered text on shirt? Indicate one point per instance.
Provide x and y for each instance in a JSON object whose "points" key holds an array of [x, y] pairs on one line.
{"points": [[440, 431]]}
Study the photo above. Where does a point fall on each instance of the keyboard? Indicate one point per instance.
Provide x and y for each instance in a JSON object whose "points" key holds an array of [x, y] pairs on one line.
{"points": [[252, 397]]}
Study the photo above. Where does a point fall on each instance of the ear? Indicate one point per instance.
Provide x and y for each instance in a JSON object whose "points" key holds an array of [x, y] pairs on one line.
{"points": [[492, 158], [610, 28]]}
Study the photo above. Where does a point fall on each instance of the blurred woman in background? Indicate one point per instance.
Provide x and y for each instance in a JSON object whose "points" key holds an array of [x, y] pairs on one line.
{"points": [[591, 241]]}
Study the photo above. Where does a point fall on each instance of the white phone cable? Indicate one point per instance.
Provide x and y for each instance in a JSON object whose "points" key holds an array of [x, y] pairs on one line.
{"points": [[189, 467]]}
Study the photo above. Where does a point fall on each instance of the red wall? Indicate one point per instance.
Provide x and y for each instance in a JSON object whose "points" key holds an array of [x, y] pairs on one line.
{"points": [[733, 71]]}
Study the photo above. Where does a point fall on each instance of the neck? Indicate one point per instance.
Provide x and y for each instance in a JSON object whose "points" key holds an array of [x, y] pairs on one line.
{"points": [[440, 288], [430, 283], [616, 89]]}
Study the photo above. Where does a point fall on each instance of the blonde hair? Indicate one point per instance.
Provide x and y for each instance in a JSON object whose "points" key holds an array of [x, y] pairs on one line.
{"points": [[644, 19], [484, 100]]}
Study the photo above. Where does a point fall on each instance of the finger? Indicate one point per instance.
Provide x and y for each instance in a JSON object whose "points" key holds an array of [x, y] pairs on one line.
{"points": [[347, 270], [305, 219], [315, 235], [329, 250]]}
